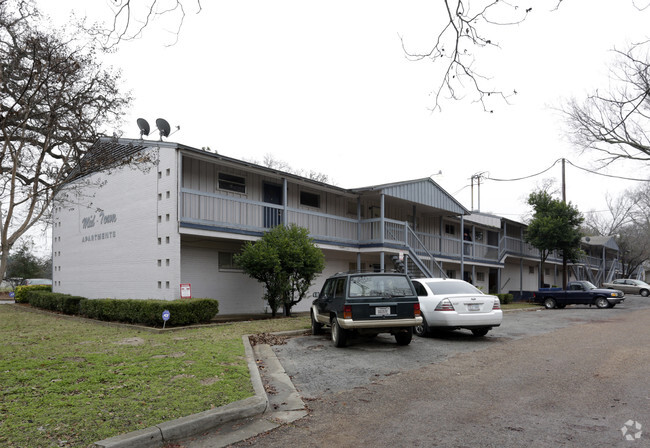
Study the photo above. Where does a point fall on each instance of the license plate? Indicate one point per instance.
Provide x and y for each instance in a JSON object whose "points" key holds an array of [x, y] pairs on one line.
{"points": [[382, 310], [474, 307]]}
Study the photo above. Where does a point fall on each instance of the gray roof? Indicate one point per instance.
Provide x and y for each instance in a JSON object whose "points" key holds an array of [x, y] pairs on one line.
{"points": [[420, 191], [106, 153]]}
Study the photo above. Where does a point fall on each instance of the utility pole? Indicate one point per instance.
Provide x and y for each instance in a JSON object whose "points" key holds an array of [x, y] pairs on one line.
{"points": [[478, 177], [564, 266]]}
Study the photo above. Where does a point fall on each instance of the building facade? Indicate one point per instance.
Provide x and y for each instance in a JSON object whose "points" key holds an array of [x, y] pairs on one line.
{"points": [[177, 215]]}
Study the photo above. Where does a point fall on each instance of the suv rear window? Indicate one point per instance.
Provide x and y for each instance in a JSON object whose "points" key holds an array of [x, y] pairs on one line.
{"points": [[379, 286]]}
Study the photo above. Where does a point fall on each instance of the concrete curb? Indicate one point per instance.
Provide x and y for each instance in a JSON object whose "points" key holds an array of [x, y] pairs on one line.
{"points": [[192, 425]]}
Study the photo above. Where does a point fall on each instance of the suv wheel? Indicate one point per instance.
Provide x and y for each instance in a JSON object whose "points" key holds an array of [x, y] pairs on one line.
{"points": [[339, 335], [316, 327], [404, 337]]}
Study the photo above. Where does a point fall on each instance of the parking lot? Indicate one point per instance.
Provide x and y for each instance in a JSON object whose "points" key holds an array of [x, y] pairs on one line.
{"points": [[317, 368], [575, 377]]}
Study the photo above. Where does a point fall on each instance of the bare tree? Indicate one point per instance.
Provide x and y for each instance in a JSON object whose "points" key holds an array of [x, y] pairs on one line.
{"points": [[271, 162], [628, 219], [614, 123], [467, 28], [621, 211], [54, 96], [131, 17]]}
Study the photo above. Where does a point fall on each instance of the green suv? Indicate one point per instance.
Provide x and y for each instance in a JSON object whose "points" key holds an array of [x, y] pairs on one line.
{"points": [[367, 303]]}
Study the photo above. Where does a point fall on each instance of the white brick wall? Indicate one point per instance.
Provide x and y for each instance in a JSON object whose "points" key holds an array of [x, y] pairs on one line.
{"points": [[107, 238]]}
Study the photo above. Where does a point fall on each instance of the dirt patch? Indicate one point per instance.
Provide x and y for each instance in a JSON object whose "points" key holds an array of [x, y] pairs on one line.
{"points": [[131, 341], [173, 355], [210, 381], [267, 338]]}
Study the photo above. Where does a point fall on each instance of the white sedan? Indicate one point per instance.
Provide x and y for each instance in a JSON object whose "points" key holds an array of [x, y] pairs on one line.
{"points": [[451, 304]]}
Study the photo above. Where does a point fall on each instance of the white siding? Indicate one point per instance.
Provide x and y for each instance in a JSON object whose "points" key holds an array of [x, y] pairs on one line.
{"points": [[118, 257]]}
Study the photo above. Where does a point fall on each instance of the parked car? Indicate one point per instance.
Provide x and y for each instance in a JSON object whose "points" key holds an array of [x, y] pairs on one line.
{"points": [[578, 293], [366, 303], [629, 286], [36, 281], [452, 304]]}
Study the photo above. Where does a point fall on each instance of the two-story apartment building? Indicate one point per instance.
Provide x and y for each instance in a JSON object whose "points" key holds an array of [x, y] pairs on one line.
{"points": [[177, 215]]}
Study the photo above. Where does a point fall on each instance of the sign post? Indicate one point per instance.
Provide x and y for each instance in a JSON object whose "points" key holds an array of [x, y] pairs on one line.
{"points": [[165, 317]]}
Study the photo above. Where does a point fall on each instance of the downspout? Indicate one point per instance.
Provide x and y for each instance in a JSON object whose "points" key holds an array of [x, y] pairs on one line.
{"points": [[359, 232], [382, 224], [462, 247], [284, 201]]}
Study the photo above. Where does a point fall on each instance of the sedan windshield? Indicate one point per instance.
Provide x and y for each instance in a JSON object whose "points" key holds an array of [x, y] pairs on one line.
{"points": [[452, 288]]}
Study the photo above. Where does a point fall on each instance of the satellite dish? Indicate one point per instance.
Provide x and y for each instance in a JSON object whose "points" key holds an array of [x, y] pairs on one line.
{"points": [[163, 127], [144, 127]]}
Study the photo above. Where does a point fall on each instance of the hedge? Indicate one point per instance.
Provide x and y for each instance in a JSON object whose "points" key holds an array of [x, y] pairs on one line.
{"points": [[149, 312], [21, 291], [145, 312], [505, 298]]}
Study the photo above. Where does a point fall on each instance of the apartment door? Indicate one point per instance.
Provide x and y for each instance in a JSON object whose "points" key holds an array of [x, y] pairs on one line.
{"points": [[272, 194]]}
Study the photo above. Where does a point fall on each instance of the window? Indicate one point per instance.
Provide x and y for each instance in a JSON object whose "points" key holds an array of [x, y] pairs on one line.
{"points": [[450, 229], [232, 183], [309, 199], [531, 269], [480, 276], [478, 234], [450, 273], [227, 261]]}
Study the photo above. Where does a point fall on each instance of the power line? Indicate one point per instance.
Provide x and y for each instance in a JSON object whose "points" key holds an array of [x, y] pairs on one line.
{"points": [[525, 177], [606, 175], [572, 164]]}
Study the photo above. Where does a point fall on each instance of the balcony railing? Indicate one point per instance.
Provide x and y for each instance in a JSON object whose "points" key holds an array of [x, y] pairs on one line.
{"points": [[224, 212]]}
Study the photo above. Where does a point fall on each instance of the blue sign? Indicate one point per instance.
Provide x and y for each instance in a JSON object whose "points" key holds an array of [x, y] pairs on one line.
{"points": [[165, 315], [12, 294]]}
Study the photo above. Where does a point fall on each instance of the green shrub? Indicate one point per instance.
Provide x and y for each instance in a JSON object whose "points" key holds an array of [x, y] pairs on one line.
{"points": [[54, 301], [21, 291], [149, 312], [144, 312], [505, 298]]}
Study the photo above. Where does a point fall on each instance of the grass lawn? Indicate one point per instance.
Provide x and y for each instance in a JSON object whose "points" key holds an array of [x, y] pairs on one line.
{"points": [[67, 382]]}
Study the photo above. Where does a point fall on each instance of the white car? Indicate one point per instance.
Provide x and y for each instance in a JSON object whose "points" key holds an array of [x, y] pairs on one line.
{"points": [[451, 304]]}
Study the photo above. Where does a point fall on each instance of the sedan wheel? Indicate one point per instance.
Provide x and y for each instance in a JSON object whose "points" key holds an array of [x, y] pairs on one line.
{"points": [[422, 330], [549, 303], [480, 331], [339, 335], [602, 302], [644, 292]]}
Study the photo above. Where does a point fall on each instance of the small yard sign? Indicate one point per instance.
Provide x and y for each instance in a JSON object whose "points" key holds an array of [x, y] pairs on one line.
{"points": [[165, 317], [186, 291]]}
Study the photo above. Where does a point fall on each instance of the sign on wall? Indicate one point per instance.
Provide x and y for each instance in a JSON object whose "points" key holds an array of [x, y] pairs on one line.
{"points": [[186, 291]]}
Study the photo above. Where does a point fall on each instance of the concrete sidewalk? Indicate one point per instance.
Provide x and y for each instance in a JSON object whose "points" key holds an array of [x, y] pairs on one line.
{"points": [[234, 422]]}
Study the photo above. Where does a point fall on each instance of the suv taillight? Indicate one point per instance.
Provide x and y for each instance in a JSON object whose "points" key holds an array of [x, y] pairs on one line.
{"points": [[347, 311], [416, 309], [445, 305], [497, 305]]}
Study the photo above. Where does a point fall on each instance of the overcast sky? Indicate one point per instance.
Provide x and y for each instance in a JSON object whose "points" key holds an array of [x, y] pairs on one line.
{"points": [[326, 86]]}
